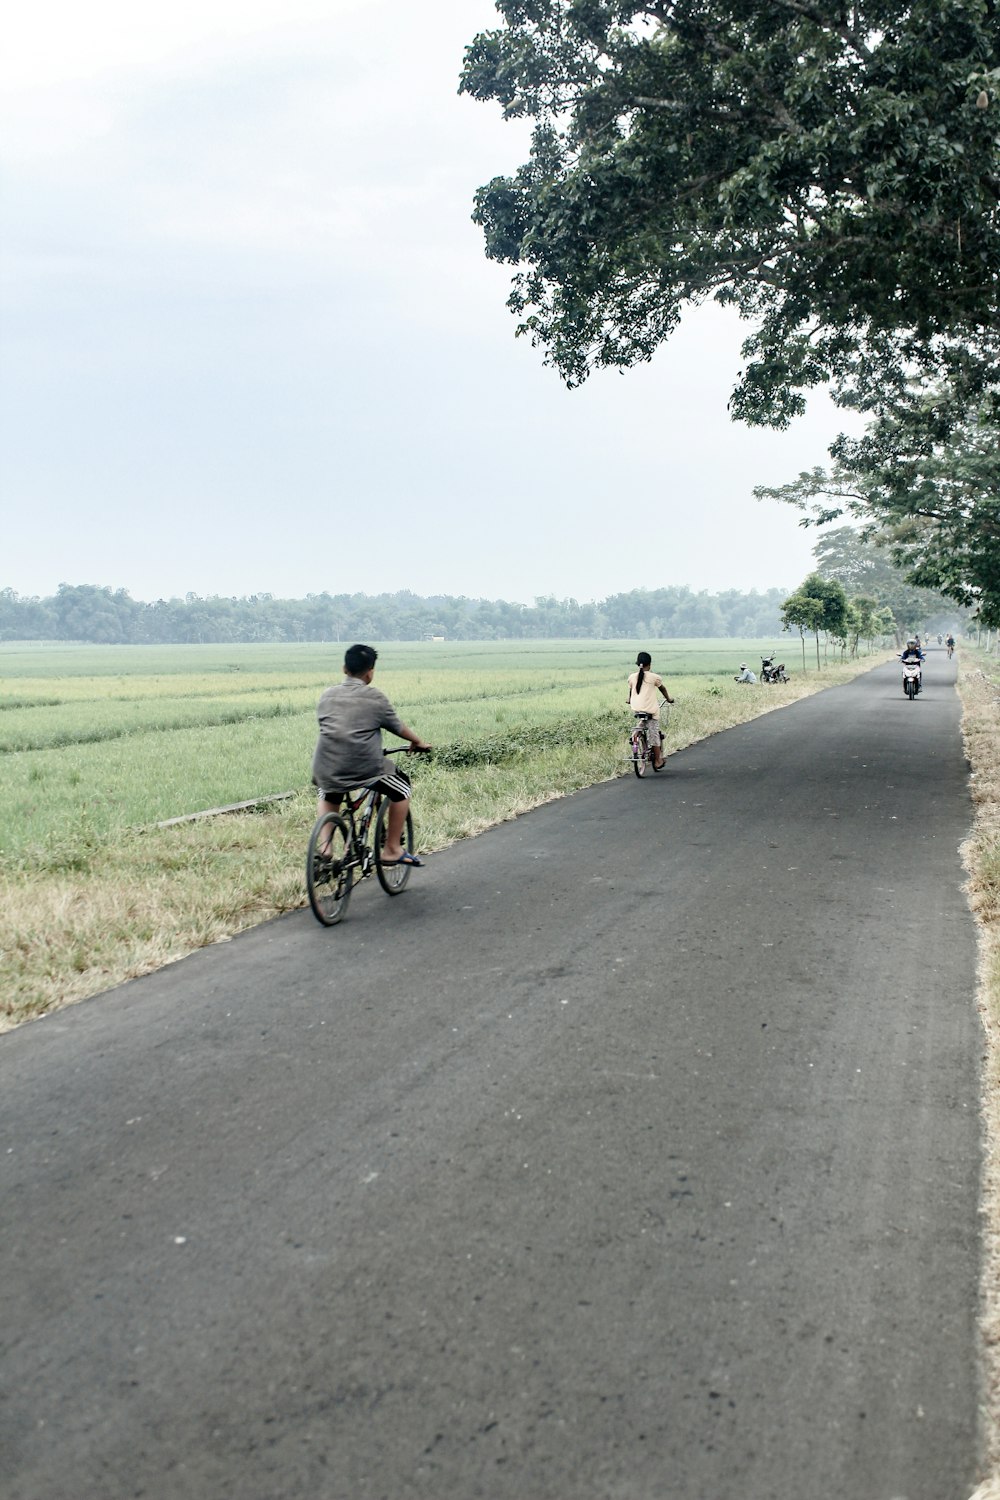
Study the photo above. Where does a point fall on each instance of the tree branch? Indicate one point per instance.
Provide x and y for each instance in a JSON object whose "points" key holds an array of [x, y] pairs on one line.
{"points": [[846, 33]]}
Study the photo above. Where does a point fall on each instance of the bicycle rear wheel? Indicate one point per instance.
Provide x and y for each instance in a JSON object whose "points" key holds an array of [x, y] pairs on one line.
{"points": [[329, 869], [391, 878], [640, 752]]}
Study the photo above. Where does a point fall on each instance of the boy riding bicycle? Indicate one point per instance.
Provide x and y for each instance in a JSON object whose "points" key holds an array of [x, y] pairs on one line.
{"points": [[349, 754]]}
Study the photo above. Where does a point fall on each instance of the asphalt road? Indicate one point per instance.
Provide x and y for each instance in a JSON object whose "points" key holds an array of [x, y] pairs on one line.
{"points": [[631, 1154]]}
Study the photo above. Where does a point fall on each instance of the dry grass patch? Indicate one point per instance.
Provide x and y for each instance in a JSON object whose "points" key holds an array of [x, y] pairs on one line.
{"points": [[979, 687], [143, 901]]}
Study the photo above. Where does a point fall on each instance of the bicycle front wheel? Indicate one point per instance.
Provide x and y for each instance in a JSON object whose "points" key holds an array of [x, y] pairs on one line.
{"points": [[391, 878], [329, 869]]}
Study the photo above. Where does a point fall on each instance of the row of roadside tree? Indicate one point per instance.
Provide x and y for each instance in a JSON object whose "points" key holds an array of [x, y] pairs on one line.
{"points": [[857, 594]]}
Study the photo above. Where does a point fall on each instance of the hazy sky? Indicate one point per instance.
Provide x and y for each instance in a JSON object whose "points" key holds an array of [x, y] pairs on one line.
{"points": [[250, 340]]}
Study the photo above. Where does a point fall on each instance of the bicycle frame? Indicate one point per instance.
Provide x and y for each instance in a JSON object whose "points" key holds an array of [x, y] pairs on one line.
{"points": [[361, 850]]}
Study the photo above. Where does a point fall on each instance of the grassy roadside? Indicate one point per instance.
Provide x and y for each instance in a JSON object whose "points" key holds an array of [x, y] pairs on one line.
{"points": [[104, 910], [979, 689]]}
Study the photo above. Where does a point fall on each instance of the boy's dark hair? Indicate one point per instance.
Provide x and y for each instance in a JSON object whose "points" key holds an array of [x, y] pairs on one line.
{"points": [[359, 659]]}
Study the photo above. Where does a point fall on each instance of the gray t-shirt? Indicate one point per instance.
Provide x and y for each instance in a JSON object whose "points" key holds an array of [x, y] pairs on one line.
{"points": [[352, 715]]}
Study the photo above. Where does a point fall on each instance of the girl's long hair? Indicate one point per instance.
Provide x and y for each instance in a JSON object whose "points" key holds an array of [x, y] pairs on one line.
{"points": [[642, 661]]}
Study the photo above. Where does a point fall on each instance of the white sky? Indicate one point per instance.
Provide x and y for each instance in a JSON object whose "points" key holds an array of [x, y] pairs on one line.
{"points": [[250, 341]]}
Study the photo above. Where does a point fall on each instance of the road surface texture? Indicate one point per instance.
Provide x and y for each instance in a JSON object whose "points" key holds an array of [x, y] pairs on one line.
{"points": [[631, 1154]]}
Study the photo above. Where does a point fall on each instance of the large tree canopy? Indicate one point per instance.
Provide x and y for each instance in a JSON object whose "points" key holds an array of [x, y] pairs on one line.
{"points": [[924, 481], [829, 168]]}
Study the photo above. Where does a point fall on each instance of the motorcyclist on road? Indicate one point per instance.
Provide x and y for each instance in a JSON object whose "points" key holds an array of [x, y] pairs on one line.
{"points": [[912, 652]]}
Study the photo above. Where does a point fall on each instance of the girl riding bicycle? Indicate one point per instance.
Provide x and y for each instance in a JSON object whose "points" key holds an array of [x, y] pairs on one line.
{"points": [[643, 687]]}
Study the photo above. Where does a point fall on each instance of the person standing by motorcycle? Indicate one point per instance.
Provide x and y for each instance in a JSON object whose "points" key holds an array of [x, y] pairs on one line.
{"points": [[643, 687]]}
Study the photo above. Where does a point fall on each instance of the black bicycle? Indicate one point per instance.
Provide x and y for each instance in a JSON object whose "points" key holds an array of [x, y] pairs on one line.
{"points": [[346, 847]]}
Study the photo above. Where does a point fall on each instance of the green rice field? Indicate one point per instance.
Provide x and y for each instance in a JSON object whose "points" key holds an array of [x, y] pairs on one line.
{"points": [[101, 745], [109, 738]]}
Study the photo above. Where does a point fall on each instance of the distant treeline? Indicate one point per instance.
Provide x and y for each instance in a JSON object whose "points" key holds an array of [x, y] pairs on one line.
{"points": [[87, 612]]}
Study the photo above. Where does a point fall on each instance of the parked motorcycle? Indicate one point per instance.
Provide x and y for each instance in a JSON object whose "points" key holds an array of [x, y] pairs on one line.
{"points": [[771, 673], [911, 678]]}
